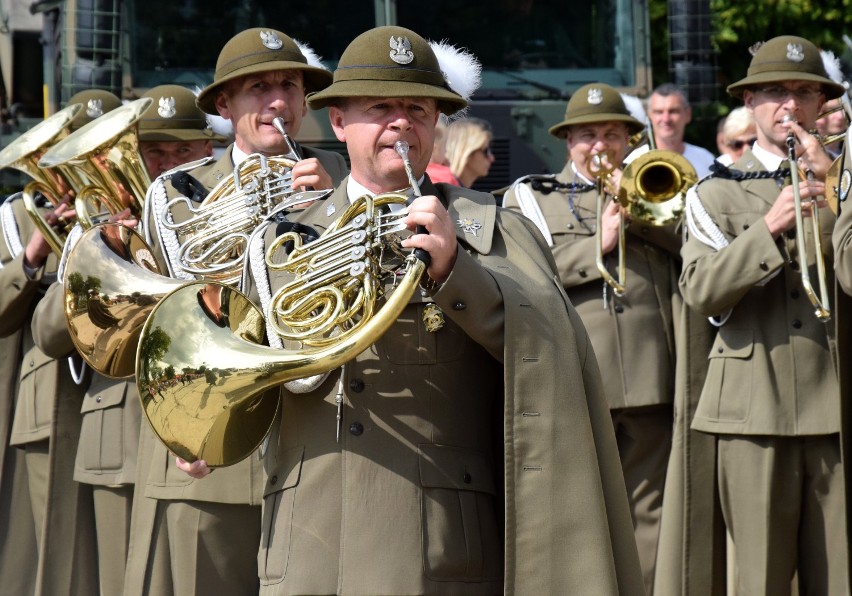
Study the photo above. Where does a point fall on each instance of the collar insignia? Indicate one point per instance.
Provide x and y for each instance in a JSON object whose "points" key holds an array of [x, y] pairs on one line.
{"points": [[595, 96], [271, 40], [166, 108], [795, 52], [94, 108], [330, 209], [470, 226], [401, 50]]}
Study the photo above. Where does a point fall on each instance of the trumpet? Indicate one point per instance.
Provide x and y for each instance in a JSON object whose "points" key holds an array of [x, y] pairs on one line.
{"points": [[330, 310], [24, 153], [819, 301]]}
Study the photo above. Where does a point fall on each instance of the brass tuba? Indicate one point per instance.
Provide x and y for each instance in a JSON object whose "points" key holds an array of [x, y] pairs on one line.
{"points": [[103, 162], [24, 153], [201, 372]]}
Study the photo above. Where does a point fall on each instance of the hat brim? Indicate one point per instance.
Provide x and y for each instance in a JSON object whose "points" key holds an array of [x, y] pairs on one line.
{"points": [[315, 79], [165, 135], [561, 130], [448, 102], [830, 88]]}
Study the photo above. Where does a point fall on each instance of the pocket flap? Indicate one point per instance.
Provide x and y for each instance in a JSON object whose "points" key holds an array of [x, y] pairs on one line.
{"points": [[444, 466], [287, 472], [733, 343], [34, 359], [104, 395]]}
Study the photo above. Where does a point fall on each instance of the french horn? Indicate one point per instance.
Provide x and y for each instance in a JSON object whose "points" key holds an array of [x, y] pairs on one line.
{"points": [[201, 371], [24, 153]]}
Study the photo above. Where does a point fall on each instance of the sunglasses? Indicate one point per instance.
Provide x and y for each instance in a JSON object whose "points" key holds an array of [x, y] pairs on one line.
{"points": [[739, 143], [486, 151]]}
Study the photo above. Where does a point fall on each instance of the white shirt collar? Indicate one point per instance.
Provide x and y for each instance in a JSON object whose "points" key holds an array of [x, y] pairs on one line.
{"points": [[238, 155], [770, 161], [355, 189], [577, 174]]}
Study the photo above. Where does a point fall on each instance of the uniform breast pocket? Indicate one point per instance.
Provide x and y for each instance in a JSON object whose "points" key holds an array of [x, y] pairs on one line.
{"points": [[278, 508], [410, 343], [735, 223], [102, 430], [461, 541], [37, 392], [728, 387]]}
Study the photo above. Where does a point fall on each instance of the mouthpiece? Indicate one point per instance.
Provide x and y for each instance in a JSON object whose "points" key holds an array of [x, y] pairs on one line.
{"points": [[401, 147]]}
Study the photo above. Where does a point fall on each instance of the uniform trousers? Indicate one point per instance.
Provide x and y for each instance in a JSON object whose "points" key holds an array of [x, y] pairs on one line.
{"points": [[213, 549], [112, 522], [783, 502], [38, 472], [644, 439], [18, 547]]}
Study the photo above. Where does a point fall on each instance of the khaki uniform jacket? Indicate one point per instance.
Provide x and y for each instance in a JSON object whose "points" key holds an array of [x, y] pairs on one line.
{"points": [[497, 419], [47, 410], [106, 454], [633, 336], [771, 371], [241, 483]]}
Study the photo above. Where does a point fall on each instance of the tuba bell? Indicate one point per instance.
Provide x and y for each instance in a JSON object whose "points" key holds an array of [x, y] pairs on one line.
{"points": [[103, 162], [24, 153], [204, 339]]}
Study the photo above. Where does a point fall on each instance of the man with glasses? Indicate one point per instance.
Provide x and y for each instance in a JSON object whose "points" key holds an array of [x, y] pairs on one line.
{"points": [[771, 393], [632, 335]]}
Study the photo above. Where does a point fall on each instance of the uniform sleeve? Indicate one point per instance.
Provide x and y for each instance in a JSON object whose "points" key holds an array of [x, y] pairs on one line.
{"points": [[842, 242], [17, 294], [49, 327], [713, 281]]}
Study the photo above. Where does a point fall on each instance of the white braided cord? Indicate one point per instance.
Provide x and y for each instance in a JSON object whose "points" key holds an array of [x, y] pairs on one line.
{"points": [[10, 227], [530, 207]]}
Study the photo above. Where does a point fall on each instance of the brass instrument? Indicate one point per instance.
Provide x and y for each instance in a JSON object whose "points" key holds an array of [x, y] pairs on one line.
{"points": [[210, 333], [112, 283], [214, 237], [103, 163], [24, 153], [819, 301], [652, 191]]}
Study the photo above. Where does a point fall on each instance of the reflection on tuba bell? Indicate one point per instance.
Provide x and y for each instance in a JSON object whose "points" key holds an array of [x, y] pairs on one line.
{"points": [[208, 335], [103, 162], [654, 185], [111, 284], [24, 153]]}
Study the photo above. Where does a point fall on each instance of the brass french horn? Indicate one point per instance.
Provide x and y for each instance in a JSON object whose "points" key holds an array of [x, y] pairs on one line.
{"points": [[24, 153], [201, 372]]}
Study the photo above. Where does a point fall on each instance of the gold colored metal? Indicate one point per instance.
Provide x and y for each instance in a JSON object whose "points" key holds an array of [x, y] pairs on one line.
{"points": [[601, 166], [822, 310], [112, 283], [654, 185], [202, 374], [103, 162], [24, 153]]}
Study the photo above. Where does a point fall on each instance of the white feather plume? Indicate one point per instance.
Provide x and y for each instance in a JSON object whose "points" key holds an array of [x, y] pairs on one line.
{"points": [[217, 124], [832, 66], [635, 107], [308, 52], [462, 70]]}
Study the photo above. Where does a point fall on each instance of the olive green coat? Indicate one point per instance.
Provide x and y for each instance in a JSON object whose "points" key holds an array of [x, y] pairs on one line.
{"points": [[477, 459]]}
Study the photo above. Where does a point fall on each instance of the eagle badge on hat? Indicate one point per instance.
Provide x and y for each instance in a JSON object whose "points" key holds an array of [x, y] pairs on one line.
{"points": [[595, 96], [166, 108], [401, 50], [94, 108], [271, 40], [795, 52]]}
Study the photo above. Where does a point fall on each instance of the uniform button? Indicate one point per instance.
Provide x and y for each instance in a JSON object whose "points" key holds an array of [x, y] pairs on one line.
{"points": [[467, 478], [720, 350], [356, 385], [356, 428], [794, 265], [583, 273], [32, 363], [794, 294], [745, 226], [797, 323], [619, 308], [764, 266], [570, 226], [98, 399], [273, 480], [459, 305]]}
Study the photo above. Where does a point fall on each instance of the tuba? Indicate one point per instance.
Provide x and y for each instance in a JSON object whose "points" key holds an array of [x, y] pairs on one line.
{"points": [[202, 374], [24, 153], [103, 163], [213, 238]]}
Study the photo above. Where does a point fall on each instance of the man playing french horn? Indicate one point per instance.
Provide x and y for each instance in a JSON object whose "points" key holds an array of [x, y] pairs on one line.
{"points": [[771, 393], [631, 331], [261, 74], [394, 474]]}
